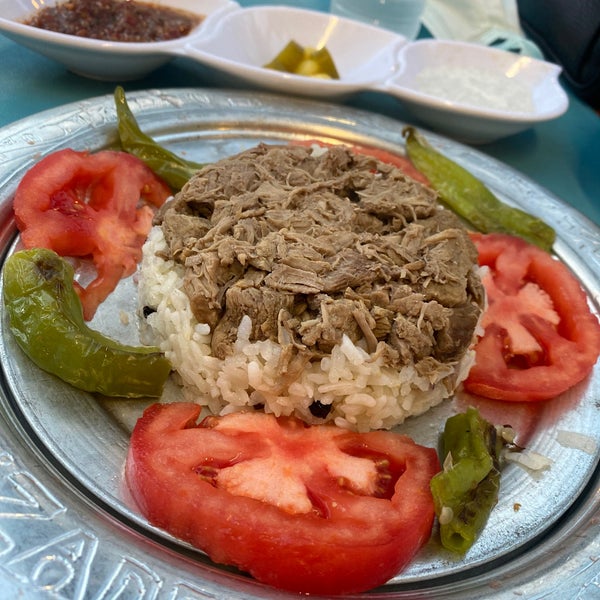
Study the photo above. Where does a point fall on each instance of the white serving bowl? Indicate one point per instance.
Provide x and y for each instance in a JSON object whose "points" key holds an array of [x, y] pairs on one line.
{"points": [[242, 41], [98, 59], [474, 93]]}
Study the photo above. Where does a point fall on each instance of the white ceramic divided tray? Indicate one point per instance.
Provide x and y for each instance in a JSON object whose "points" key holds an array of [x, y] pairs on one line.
{"points": [[237, 42]]}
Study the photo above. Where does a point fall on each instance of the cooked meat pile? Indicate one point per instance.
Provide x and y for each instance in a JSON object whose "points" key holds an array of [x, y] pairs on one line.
{"points": [[312, 247]]}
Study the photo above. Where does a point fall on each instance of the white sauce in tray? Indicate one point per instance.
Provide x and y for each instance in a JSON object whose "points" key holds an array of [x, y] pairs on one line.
{"points": [[476, 87]]}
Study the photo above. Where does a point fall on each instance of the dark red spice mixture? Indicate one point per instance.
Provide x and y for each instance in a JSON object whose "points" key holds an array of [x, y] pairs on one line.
{"points": [[115, 20]]}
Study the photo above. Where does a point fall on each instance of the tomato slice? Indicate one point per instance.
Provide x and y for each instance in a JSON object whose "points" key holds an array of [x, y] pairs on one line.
{"points": [[309, 509], [90, 205], [540, 336], [400, 162]]}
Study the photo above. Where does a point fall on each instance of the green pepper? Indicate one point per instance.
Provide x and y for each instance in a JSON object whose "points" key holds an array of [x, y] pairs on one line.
{"points": [[311, 62], [174, 170], [288, 59], [468, 197], [465, 492], [46, 318]]}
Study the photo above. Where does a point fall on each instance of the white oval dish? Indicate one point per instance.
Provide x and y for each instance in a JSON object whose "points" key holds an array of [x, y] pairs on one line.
{"points": [[241, 42], [474, 93], [98, 59]]}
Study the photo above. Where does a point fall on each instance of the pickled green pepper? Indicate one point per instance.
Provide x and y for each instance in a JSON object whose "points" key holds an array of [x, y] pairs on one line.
{"points": [[310, 62], [469, 198], [174, 170], [465, 492], [46, 318]]}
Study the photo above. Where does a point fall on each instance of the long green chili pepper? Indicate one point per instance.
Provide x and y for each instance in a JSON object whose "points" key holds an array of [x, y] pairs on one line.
{"points": [[466, 490], [468, 197], [46, 318], [174, 170]]}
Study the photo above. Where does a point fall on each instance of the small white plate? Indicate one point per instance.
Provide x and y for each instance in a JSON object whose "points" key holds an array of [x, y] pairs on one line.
{"points": [[98, 59], [241, 42], [474, 93]]}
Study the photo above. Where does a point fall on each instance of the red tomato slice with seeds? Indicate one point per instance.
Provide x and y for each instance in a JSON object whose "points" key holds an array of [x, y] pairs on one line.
{"points": [[540, 336], [90, 205], [309, 509]]}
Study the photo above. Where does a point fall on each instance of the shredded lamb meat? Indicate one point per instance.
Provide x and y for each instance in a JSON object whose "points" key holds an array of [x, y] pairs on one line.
{"points": [[312, 246]]}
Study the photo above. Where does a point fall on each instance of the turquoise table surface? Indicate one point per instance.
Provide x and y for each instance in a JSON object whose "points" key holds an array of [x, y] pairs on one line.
{"points": [[562, 155]]}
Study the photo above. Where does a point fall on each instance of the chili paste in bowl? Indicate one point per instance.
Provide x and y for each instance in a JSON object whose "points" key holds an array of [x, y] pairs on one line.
{"points": [[115, 20], [110, 40]]}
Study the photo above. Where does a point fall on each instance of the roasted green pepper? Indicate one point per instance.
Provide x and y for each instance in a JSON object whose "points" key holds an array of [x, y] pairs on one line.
{"points": [[466, 490], [468, 197], [311, 62], [174, 170], [46, 318]]}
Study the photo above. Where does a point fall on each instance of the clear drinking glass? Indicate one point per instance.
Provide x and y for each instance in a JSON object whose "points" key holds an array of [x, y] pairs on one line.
{"points": [[401, 16]]}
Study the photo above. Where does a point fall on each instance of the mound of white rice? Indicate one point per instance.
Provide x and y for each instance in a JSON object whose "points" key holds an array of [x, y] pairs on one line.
{"points": [[364, 393]]}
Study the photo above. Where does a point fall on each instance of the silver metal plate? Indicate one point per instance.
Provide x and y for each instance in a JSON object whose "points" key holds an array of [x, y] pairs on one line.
{"points": [[67, 526]]}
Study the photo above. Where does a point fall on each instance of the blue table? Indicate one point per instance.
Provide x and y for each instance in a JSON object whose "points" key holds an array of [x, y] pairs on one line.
{"points": [[562, 155]]}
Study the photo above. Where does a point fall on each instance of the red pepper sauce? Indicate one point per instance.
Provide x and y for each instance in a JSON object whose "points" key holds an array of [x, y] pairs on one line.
{"points": [[115, 20]]}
